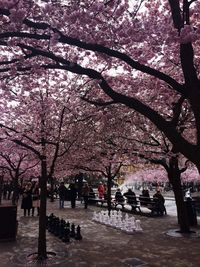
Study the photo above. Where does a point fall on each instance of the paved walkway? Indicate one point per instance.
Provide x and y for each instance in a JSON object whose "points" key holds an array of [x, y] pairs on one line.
{"points": [[104, 246]]}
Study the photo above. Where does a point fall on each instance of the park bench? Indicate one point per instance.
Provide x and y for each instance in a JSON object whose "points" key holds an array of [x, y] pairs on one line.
{"points": [[102, 202], [97, 201], [152, 205], [135, 207], [141, 207]]}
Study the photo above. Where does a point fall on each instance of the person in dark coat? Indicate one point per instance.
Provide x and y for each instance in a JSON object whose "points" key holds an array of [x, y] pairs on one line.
{"points": [[79, 183], [118, 196], [73, 195], [27, 203], [5, 190], [160, 201], [62, 193], [10, 189], [131, 197], [85, 194], [145, 199]]}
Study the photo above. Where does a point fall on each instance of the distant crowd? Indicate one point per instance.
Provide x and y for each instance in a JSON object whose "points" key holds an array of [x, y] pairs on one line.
{"points": [[87, 194], [30, 195]]}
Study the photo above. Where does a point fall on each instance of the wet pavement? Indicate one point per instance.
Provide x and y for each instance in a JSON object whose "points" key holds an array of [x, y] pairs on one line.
{"points": [[102, 245]]}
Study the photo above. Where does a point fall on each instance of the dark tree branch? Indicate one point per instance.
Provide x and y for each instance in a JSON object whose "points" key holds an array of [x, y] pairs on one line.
{"points": [[98, 103]]}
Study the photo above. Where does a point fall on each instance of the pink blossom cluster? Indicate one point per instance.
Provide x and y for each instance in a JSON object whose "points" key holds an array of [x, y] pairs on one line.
{"points": [[8, 3], [147, 175], [17, 15], [188, 34]]}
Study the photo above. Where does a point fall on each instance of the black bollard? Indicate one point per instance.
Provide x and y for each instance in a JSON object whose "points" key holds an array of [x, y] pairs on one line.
{"points": [[57, 227], [78, 235], [72, 232], [61, 231], [54, 225], [66, 237], [51, 223], [68, 224]]}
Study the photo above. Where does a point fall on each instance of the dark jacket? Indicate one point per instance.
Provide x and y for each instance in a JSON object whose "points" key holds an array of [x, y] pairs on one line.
{"points": [[62, 191], [119, 197], [73, 191], [27, 202], [131, 197]]}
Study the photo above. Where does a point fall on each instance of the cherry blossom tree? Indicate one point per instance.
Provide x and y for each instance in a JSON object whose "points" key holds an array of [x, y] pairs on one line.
{"points": [[1, 183], [152, 146], [161, 44], [44, 123], [132, 53], [16, 163], [102, 149]]}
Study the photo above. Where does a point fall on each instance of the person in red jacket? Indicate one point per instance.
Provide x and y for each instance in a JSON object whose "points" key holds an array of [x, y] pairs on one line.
{"points": [[101, 190]]}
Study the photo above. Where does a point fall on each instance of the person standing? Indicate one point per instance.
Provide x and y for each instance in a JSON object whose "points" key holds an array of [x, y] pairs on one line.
{"points": [[10, 189], [85, 194], [36, 199], [27, 203], [79, 183], [101, 190], [5, 190], [62, 193], [73, 195], [105, 195]]}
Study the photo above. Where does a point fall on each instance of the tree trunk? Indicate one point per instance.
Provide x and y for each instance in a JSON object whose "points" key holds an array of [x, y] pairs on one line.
{"points": [[51, 189], [109, 183], [181, 208], [174, 176], [1, 187], [15, 191], [42, 252]]}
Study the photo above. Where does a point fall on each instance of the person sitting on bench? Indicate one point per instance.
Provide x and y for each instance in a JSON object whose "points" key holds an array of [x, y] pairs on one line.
{"points": [[159, 201], [131, 197], [119, 197], [145, 199]]}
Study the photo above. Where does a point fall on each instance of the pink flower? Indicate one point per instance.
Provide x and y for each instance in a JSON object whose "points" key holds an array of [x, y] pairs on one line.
{"points": [[8, 3], [17, 16]]}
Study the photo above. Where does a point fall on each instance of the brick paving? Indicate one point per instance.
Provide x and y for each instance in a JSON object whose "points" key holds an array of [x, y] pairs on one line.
{"points": [[103, 246]]}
